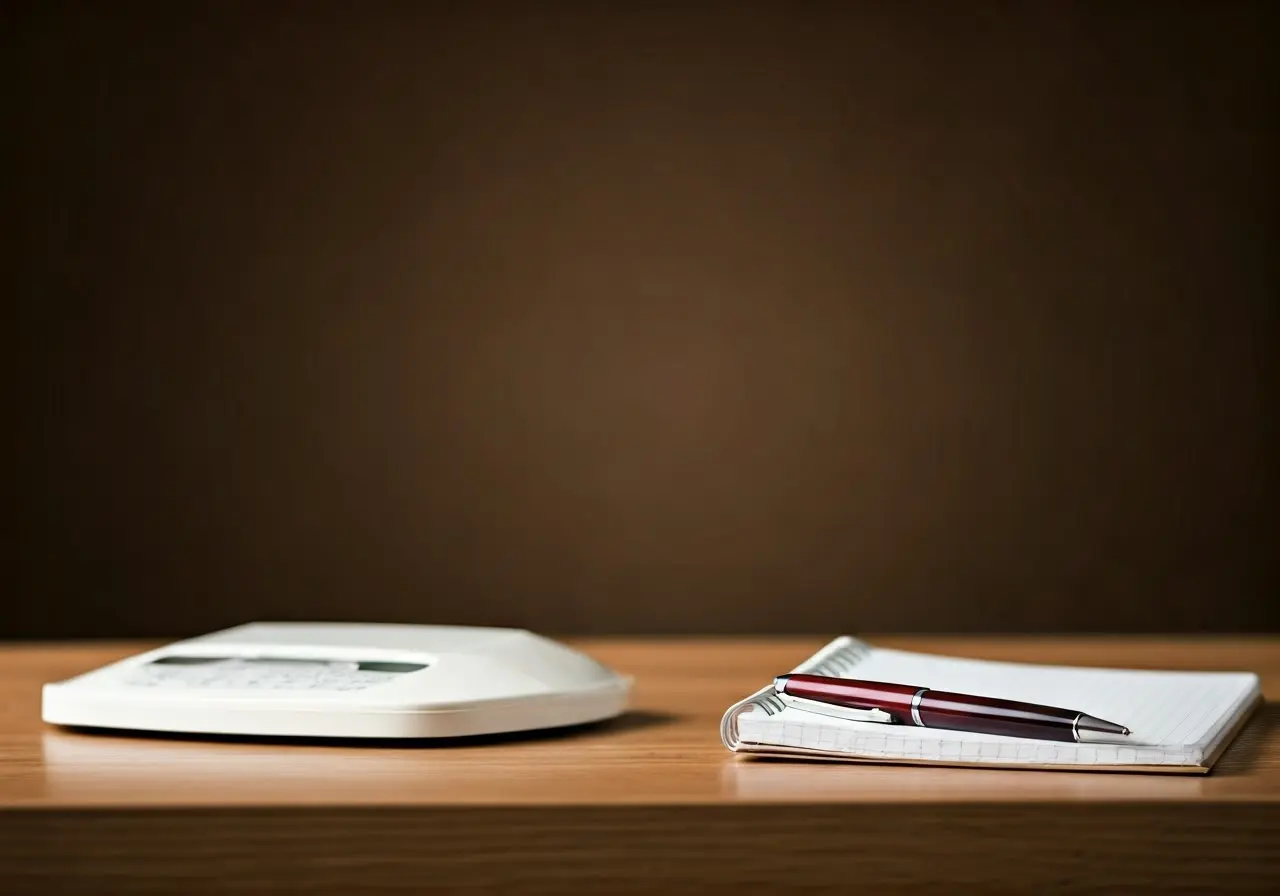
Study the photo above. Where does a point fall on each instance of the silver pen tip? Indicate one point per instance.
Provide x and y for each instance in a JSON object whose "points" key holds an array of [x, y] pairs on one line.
{"points": [[1092, 730], [780, 684]]}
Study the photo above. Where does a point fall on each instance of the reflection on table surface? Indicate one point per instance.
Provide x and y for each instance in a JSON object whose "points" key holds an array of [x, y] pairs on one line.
{"points": [[98, 769], [103, 770]]}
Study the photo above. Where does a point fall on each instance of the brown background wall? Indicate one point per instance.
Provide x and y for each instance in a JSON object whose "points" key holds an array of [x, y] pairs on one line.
{"points": [[588, 317]]}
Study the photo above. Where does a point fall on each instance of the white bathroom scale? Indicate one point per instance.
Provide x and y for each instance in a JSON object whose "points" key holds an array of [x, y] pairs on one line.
{"points": [[321, 679]]}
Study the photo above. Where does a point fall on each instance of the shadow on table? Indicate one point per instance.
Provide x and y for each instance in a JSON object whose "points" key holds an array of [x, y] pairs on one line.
{"points": [[635, 720], [1259, 739]]}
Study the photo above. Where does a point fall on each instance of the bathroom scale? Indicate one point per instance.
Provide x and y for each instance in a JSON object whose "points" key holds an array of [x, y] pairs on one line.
{"points": [[322, 679]]}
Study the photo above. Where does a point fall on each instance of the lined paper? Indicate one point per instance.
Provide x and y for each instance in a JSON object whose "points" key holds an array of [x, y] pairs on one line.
{"points": [[1176, 718]]}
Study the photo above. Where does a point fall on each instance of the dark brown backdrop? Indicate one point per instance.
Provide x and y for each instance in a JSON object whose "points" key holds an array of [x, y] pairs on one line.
{"points": [[591, 317]]}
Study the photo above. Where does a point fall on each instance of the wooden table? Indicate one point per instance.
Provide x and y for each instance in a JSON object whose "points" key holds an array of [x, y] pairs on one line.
{"points": [[649, 803]]}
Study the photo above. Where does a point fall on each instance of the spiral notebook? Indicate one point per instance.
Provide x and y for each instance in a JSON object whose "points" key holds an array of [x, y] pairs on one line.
{"points": [[1180, 721]]}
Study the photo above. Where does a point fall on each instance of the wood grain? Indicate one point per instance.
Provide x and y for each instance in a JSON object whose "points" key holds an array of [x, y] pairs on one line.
{"points": [[651, 802]]}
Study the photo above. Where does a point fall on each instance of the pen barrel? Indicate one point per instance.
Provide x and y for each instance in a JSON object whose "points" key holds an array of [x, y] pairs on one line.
{"points": [[892, 698], [990, 715]]}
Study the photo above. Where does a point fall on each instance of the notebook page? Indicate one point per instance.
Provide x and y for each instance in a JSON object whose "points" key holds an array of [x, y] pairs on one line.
{"points": [[1174, 716]]}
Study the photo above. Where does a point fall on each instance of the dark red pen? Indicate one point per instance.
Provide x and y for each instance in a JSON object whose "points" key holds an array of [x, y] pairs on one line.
{"points": [[927, 708]]}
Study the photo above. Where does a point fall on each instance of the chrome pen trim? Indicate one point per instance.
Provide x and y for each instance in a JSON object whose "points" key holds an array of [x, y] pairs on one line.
{"points": [[915, 707]]}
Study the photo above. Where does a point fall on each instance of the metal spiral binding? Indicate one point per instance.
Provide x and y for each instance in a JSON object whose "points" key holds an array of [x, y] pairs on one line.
{"points": [[771, 703], [843, 658], [837, 659]]}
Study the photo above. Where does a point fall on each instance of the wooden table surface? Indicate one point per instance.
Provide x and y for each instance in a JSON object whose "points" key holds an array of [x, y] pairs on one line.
{"points": [[651, 801]]}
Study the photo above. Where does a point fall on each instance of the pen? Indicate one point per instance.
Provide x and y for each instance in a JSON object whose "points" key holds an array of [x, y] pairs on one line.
{"points": [[876, 701]]}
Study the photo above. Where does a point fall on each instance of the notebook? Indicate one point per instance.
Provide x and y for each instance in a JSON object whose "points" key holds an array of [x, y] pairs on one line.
{"points": [[1180, 721]]}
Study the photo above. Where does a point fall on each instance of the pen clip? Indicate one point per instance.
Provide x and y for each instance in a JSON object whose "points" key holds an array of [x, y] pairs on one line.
{"points": [[848, 713]]}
